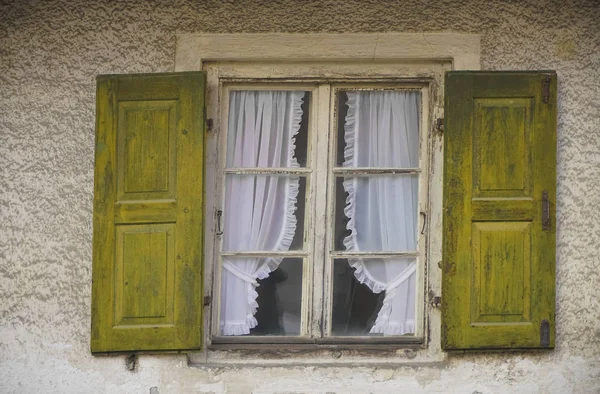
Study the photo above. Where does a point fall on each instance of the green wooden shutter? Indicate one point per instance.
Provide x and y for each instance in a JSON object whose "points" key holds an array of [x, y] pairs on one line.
{"points": [[499, 180], [147, 247]]}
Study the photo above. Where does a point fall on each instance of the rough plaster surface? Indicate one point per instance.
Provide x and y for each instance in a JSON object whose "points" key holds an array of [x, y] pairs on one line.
{"points": [[50, 52]]}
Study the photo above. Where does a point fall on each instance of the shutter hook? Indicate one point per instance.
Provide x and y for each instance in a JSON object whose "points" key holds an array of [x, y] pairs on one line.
{"points": [[219, 216]]}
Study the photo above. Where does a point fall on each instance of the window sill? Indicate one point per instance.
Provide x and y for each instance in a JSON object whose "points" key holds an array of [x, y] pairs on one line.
{"points": [[342, 342], [339, 354]]}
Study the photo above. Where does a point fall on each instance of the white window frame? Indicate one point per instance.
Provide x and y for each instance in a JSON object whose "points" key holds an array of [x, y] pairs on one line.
{"points": [[318, 232], [332, 57]]}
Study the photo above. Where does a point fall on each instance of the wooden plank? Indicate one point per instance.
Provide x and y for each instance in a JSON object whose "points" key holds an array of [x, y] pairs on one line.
{"points": [[515, 209], [145, 212]]}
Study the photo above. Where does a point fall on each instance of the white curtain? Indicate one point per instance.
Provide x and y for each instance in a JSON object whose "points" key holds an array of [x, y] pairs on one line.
{"points": [[382, 130], [259, 210]]}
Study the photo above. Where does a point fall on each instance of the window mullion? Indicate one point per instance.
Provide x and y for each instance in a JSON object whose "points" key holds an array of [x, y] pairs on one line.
{"points": [[320, 139], [330, 214]]}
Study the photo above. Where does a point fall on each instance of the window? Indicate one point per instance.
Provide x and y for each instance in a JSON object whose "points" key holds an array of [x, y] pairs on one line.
{"points": [[325, 210], [162, 179]]}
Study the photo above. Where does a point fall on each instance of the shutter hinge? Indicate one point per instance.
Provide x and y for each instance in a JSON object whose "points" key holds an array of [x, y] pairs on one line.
{"points": [[439, 125], [436, 302], [207, 300], [545, 211], [546, 90], [209, 125], [545, 333]]}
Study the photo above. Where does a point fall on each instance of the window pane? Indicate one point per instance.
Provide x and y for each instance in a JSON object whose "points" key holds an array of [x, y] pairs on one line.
{"points": [[361, 304], [277, 308], [378, 128], [263, 212], [376, 213], [267, 128]]}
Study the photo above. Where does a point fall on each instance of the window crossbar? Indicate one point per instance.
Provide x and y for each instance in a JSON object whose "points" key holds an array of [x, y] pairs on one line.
{"points": [[375, 171], [268, 171], [266, 253], [382, 255]]}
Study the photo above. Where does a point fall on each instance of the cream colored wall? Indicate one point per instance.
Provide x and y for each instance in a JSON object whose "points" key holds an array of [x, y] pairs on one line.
{"points": [[49, 54]]}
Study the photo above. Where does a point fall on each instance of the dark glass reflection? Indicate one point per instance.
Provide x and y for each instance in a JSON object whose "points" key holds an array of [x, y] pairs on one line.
{"points": [[341, 220], [280, 300], [301, 151], [342, 111], [355, 307]]}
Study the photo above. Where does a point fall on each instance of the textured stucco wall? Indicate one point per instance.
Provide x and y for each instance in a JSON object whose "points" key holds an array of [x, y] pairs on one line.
{"points": [[50, 52]]}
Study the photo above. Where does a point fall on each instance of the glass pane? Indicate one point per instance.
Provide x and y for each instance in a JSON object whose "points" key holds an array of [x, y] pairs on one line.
{"points": [[279, 297], [267, 128], [376, 213], [263, 212], [362, 306], [378, 128]]}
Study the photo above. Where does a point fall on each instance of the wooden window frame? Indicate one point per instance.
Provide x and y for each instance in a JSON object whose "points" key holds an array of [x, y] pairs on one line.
{"points": [[222, 76], [318, 250]]}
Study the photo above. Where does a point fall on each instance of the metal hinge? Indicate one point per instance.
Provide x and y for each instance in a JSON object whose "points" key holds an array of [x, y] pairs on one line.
{"points": [[546, 90], [436, 302], [209, 125], [545, 333], [207, 300], [439, 125]]}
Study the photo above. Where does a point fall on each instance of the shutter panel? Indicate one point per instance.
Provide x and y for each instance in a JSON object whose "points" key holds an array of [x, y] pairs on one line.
{"points": [[499, 181], [147, 247]]}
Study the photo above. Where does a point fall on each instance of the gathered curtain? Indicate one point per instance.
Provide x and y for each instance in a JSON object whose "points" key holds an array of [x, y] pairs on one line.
{"points": [[382, 130], [259, 213]]}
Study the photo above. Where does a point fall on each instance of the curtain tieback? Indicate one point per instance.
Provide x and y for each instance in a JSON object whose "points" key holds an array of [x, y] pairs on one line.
{"points": [[404, 275], [239, 273]]}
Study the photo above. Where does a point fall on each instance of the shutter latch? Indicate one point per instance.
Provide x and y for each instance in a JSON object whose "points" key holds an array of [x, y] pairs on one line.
{"points": [[219, 229]]}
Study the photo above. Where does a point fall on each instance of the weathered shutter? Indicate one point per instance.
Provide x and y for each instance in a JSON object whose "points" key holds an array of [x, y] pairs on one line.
{"points": [[499, 223], [147, 246]]}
